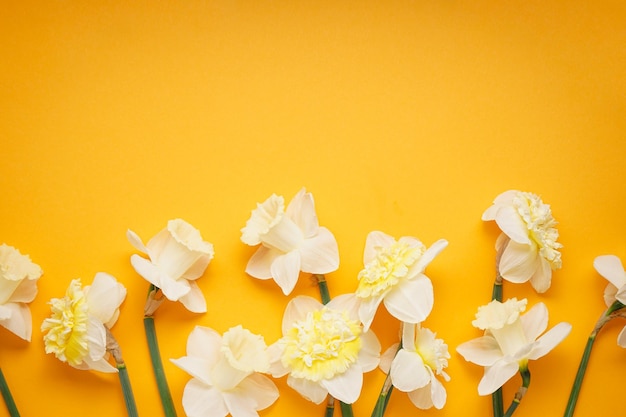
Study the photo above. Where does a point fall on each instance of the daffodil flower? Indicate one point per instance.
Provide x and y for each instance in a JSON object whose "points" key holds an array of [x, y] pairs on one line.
{"points": [[324, 349], [528, 246], [611, 268], [227, 374], [178, 256], [291, 241], [510, 341], [76, 332], [394, 275], [415, 367], [18, 286]]}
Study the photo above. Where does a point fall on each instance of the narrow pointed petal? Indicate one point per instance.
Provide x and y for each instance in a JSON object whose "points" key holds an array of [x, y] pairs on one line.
{"points": [[367, 310], [438, 393], [611, 268], [387, 357], [194, 366], [512, 224], [174, 290], [535, 321], [18, 320], [421, 397], [518, 262], [256, 392], [369, 355], [260, 265], [277, 369], [320, 254], [201, 400], [412, 301], [310, 390], [542, 277], [373, 242], [483, 351], [429, 255], [147, 270], [610, 293], [408, 372], [297, 309], [285, 271], [345, 387], [194, 300], [495, 376], [301, 210], [550, 339], [136, 241], [346, 302]]}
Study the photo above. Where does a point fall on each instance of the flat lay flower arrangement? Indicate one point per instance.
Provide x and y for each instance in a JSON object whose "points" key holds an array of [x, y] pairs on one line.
{"points": [[327, 344]]}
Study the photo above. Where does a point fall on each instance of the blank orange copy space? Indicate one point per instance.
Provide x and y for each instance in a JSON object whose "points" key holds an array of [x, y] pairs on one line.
{"points": [[404, 117]]}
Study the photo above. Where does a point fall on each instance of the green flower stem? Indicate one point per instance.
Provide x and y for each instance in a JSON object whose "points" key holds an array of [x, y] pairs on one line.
{"points": [[129, 398], [330, 406], [8, 398], [525, 373], [611, 312], [383, 398], [496, 398], [157, 367], [346, 409]]}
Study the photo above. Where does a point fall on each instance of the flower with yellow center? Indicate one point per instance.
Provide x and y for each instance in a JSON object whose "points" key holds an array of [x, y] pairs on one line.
{"points": [[291, 240], [18, 286], [76, 331], [510, 340], [226, 373], [415, 367], [528, 242], [394, 274], [324, 349]]}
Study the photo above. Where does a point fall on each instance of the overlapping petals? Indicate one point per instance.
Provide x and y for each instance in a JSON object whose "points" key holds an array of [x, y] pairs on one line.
{"points": [[18, 286], [394, 275], [611, 268], [291, 241], [324, 349], [415, 367], [76, 332], [510, 340], [227, 374], [528, 246], [178, 256]]}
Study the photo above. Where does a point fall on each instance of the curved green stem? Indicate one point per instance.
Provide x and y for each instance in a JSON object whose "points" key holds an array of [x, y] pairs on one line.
{"points": [[157, 367], [8, 398], [129, 398], [525, 373]]}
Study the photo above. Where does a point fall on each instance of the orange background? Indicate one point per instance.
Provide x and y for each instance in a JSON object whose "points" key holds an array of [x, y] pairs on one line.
{"points": [[402, 116]]}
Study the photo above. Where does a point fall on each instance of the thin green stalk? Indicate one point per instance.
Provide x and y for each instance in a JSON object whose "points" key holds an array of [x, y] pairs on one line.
{"points": [[525, 373], [496, 398], [346, 409], [8, 398], [157, 367], [383, 398], [611, 312], [129, 398]]}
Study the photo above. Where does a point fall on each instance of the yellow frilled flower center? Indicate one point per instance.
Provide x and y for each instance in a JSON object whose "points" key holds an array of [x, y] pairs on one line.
{"points": [[67, 328], [390, 265], [540, 224], [324, 344]]}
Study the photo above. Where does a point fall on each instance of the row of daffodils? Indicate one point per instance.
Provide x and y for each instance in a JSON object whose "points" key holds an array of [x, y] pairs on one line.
{"points": [[326, 345]]}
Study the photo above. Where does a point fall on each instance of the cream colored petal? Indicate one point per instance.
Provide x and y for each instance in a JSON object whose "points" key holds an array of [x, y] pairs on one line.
{"points": [[374, 242], [346, 302], [7, 288], [260, 264], [610, 292], [387, 357], [196, 367], [285, 271], [621, 338], [428, 256], [17, 319], [312, 391], [104, 297], [136, 241], [369, 355], [367, 310], [275, 353], [194, 300], [147, 270], [437, 393], [201, 400], [345, 387], [542, 277], [204, 342], [320, 254], [297, 309], [25, 292], [197, 269], [535, 321], [495, 376], [301, 210], [412, 301], [256, 392], [512, 224], [408, 372], [284, 236], [174, 289], [483, 351], [549, 340], [611, 268], [422, 397], [408, 336], [518, 262]]}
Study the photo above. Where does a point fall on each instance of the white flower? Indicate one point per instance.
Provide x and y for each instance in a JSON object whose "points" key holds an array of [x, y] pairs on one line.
{"points": [[291, 241], [611, 268], [510, 340], [394, 274], [18, 286], [528, 240], [77, 329], [324, 349], [178, 256], [415, 366], [226, 373]]}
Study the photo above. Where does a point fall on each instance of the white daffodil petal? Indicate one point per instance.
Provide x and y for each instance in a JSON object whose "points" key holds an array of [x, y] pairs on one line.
{"points": [[24, 292], [346, 302], [100, 365], [438, 393], [310, 390], [345, 387], [620, 295], [495, 376], [18, 320], [367, 310], [483, 351], [422, 397], [412, 301], [610, 293], [621, 338], [369, 355], [260, 264], [611, 268], [320, 254], [408, 372], [285, 271], [8, 288], [518, 262], [297, 309], [387, 357], [430, 254], [104, 297], [512, 224], [147, 270], [374, 241], [301, 210], [535, 321], [204, 342], [542, 277], [256, 392], [275, 353], [201, 400], [136, 241], [196, 270], [194, 300], [284, 236], [174, 290], [550, 339], [196, 367]]}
